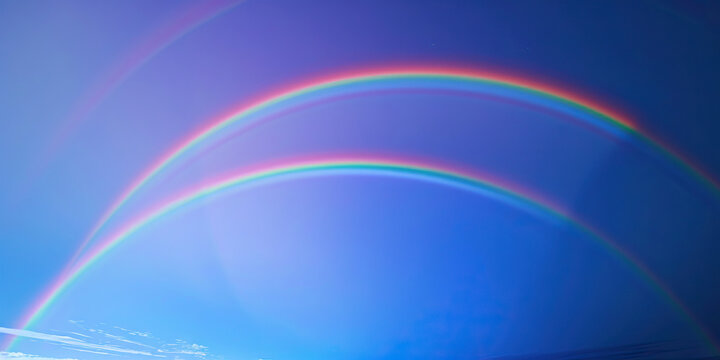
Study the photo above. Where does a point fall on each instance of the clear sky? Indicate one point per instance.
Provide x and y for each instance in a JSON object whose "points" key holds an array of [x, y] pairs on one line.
{"points": [[358, 263]]}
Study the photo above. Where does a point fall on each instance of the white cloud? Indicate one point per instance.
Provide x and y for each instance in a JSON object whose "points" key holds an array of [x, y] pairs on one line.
{"points": [[67, 340], [117, 337], [184, 348], [21, 356], [120, 338], [184, 352], [138, 333], [89, 351], [115, 341], [131, 332]]}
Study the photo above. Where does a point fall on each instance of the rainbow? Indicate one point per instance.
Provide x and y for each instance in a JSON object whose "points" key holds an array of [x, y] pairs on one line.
{"points": [[410, 79], [408, 169]]}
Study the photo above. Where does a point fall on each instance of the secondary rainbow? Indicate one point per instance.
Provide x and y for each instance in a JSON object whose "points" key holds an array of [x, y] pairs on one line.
{"points": [[189, 20], [593, 115], [413, 169]]}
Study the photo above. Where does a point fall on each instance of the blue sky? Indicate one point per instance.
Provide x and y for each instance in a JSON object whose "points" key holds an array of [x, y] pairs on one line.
{"points": [[358, 266]]}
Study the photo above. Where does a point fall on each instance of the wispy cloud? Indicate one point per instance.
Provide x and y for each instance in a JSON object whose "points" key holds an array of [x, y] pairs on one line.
{"points": [[180, 348], [120, 338], [67, 340], [89, 351], [131, 332], [112, 341], [22, 356], [185, 349]]}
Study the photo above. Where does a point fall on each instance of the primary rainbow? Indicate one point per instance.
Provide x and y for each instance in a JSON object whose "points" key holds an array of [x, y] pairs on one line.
{"points": [[412, 169], [408, 78]]}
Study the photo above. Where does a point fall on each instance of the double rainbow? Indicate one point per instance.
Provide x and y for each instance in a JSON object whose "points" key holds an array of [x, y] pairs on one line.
{"points": [[439, 80], [406, 79]]}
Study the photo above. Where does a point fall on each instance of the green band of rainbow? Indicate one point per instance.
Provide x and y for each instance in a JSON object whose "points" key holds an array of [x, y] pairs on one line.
{"points": [[477, 183]]}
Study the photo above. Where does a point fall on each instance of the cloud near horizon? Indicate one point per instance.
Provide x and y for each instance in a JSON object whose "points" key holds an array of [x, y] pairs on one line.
{"points": [[4, 355], [68, 340], [123, 342]]}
